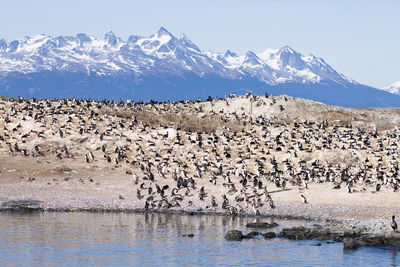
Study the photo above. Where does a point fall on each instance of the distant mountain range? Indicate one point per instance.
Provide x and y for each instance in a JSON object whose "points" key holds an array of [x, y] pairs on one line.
{"points": [[393, 88], [165, 67]]}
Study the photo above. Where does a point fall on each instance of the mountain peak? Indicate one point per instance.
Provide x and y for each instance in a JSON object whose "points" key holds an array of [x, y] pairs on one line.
{"points": [[110, 38], [183, 37], [393, 88], [3, 45], [83, 38], [187, 42], [252, 59], [132, 39], [229, 53], [287, 49], [162, 31], [251, 54]]}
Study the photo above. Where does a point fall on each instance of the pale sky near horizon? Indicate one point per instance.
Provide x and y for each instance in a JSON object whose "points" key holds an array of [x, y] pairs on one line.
{"points": [[360, 39]]}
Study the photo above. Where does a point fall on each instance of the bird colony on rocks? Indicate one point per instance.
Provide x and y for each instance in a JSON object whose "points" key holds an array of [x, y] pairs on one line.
{"points": [[213, 155]]}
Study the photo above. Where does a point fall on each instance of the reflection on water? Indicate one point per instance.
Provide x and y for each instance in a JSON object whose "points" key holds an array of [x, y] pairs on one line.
{"points": [[131, 239]]}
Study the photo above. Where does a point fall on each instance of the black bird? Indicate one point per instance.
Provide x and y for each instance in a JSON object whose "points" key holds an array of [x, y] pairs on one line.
{"points": [[284, 184], [255, 182], [158, 188], [260, 184], [165, 187], [378, 187], [393, 224], [151, 176]]}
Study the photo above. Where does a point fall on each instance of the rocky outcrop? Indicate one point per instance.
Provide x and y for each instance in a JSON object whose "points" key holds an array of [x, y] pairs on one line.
{"points": [[234, 235], [351, 238], [269, 235], [252, 234], [350, 243]]}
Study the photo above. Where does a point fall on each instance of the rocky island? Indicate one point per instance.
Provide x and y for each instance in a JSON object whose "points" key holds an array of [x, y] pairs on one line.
{"points": [[241, 156]]}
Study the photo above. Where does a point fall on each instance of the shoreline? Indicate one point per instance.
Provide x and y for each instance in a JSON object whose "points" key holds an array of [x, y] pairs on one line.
{"points": [[22, 208], [353, 233], [293, 211]]}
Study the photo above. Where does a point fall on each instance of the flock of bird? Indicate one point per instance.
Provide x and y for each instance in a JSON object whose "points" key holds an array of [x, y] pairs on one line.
{"points": [[234, 168]]}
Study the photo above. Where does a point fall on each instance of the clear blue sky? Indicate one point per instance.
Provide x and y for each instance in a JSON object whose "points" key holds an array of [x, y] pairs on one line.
{"points": [[361, 39]]}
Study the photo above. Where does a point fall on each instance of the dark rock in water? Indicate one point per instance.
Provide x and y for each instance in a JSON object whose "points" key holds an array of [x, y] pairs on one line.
{"points": [[350, 243], [234, 235], [317, 244], [262, 225], [371, 240], [269, 235], [351, 239], [252, 234], [388, 239], [391, 239], [189, 235], [295, 233]]}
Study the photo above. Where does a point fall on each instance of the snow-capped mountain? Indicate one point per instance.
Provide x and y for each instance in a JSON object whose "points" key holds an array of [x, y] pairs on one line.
{"points": [[160, 53], [393, 88], [160, 66]]}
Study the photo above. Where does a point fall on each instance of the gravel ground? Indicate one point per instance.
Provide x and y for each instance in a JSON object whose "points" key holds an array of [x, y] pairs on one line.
{"points": [[100, 188]]}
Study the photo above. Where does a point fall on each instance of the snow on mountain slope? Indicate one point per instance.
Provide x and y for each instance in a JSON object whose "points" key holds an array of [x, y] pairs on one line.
{"points": [[393, 88], [160, 54]]}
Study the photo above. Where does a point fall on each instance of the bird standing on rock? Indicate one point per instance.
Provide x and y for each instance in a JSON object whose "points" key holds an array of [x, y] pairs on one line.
{"points": [[393, 224]]}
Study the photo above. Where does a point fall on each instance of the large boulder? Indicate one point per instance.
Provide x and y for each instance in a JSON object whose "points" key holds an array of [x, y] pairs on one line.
{"points": [[252, 234], [295, 233], [371, 240], [269, 235], [234, 235], [350, 243]]}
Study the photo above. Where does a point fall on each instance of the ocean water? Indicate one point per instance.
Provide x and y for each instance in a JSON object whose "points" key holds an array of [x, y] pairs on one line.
{"points": [[119, 239]]}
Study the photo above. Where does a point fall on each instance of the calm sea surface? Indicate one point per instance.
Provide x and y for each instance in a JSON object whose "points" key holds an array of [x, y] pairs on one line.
{"points": [[81, 239]]}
